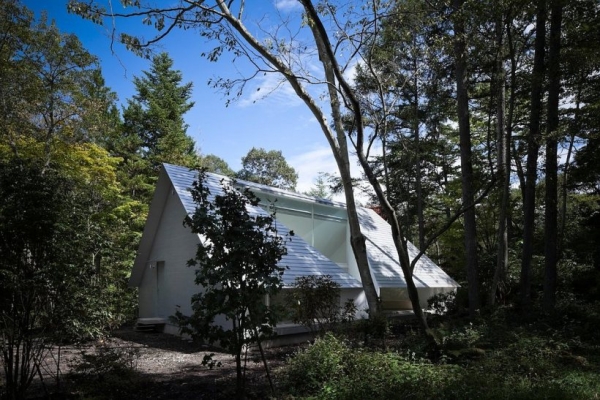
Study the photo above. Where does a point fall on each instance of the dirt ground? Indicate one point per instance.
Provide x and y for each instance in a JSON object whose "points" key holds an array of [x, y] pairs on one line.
{"points": [[164, 367]]}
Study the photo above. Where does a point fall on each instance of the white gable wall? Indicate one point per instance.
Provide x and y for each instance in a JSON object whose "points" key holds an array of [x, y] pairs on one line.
{"points": [[174, 245], [168, 282]]}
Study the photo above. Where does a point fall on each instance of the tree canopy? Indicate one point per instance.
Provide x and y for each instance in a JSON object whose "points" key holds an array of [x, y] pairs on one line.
{"points": [[268, 168]]}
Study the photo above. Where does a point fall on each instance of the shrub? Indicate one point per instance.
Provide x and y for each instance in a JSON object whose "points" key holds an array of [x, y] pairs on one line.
{"points": [[315, 303], [443, 303], [109, 372], [309, 370], [330, 369]]}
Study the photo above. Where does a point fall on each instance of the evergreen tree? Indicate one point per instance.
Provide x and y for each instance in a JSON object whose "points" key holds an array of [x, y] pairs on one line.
{"points": [[153, 128], [322, 186]]}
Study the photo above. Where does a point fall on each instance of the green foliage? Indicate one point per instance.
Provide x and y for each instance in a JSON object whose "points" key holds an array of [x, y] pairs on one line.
{"points": [[330, 369], [268, 168], [107, 372], [237, 269], [322, 186], [307, 371], [314, 302], [443, 303], [51, 86], [155, 115], [153, 130], [51, 288], [212, 163], [498, 357]]}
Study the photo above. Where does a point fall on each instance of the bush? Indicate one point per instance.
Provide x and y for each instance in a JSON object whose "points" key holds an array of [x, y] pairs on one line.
{"points": [[309, 370], [330, 369], [443, 303], [499, 357], [109, 372], [315, 303]]}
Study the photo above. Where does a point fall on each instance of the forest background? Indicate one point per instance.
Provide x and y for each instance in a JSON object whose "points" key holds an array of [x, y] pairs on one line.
{"points": [[485, 118]]}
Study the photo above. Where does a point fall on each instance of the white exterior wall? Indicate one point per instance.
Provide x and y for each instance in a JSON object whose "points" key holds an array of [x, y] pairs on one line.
{"points": [[174, 245]]}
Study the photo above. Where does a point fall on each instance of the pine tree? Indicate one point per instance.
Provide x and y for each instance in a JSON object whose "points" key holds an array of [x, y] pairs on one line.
{"points": [[154, 130]]}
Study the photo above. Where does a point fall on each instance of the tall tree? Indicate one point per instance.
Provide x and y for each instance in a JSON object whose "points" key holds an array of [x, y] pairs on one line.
{"points": [[154, 130], [503, 158], [62, 272], [268, 168], [533, 145], [552, 125], [466, 161]]}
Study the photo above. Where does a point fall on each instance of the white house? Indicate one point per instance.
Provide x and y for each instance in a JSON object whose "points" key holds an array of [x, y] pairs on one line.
{"points": [[321, 246]]}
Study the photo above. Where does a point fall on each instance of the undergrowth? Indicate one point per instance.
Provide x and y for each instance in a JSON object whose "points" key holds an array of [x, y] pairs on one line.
{"points": [[497, 356]]}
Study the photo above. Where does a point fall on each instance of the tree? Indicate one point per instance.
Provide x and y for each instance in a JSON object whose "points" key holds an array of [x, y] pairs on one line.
{"points": [[552, 125], [47, 80], [321, 189], [212, 163], [218, 22], [466, 161], [62, 273], [237, 270], [51, 289], [153, 127], [268, 168], [533, 144]]}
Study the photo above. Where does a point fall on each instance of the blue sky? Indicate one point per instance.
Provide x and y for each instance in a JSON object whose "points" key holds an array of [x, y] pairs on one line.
{"points": [[278, 122]]}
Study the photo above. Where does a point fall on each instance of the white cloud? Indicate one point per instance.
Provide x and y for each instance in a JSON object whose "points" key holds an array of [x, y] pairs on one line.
{"points": [[287, 5], [320, 159], [309, 164], [271, 88], [351, 70]]}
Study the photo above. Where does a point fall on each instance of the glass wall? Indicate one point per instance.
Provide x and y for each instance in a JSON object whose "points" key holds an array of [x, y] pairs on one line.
{"points": [[323, 227]]}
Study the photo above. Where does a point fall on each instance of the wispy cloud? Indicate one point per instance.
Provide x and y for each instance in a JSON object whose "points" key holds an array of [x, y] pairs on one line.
{"points": [[287, 5], [351, 70], [271, 88], [320, 159], [310, 163]]}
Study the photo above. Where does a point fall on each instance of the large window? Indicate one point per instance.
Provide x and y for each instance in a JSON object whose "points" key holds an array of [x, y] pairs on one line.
{"points": [[323, 227]]}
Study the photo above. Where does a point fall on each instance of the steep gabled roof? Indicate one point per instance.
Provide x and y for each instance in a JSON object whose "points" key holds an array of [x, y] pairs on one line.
{"points": [[383, 257], [301, 259]]}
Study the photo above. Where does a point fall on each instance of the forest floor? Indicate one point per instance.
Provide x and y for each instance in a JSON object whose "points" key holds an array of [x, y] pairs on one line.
{"points": [[150, 365]]}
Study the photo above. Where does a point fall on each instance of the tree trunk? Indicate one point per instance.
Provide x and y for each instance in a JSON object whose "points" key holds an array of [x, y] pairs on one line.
{"points": [[466, 164], [419, 186], [499, 280], [533, 145], [551, 209], [565, 178], [333, 74], [399, 240], [337, 142]]}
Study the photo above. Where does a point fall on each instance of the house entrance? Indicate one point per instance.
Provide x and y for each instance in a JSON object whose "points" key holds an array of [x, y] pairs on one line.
{"points": [[160, 288]]}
